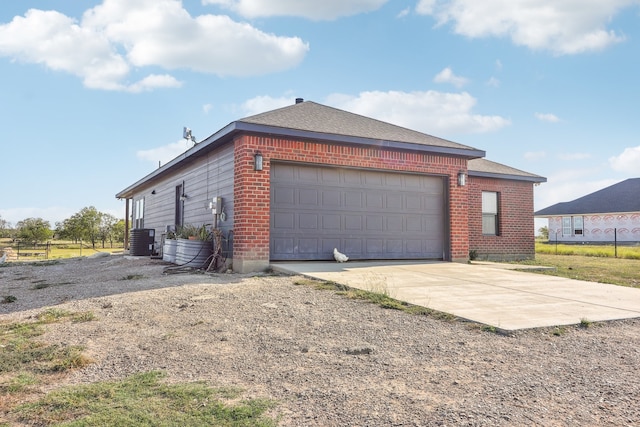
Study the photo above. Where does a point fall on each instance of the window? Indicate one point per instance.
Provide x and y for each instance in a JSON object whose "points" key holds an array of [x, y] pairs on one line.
{"points": [[578, 225], [489, 213], [139, 214], [572, 226], [566, 226]]}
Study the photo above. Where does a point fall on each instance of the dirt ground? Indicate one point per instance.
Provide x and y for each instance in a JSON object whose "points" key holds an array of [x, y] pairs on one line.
{"points": [[328, 360]]}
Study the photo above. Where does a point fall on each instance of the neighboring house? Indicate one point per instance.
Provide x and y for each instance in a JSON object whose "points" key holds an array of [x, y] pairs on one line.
{"points": [[299, 181], [606, 216]]}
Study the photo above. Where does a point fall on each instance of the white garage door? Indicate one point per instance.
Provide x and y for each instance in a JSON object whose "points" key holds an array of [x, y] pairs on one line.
{"points": [[366, 214]]}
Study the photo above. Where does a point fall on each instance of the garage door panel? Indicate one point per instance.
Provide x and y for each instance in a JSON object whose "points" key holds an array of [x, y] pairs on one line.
{"points": [[395, 246], [308, 197], [284, 197], [284, 173], [374, 201], [394, 223], [308, 245], [352, 246], [329, 243], [413, 246], [284, 221], [414, 202], [394, 202], [283, 246], [374, 223], [366, 214], [414, 224], [307, 175], [374, 248], [308, 221], [353, 200], [331, 222], [353, 222], [393, 180], [352, 177]]}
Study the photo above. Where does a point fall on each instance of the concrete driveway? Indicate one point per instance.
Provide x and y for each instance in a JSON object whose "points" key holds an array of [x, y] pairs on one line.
{"points": [[491, 294]]}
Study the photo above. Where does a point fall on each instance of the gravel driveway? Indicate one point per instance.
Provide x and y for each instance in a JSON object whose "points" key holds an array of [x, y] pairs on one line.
{"points": [[328, 360]]}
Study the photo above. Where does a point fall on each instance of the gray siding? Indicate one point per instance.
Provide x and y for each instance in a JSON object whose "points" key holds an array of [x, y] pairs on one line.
{"points": [[204, 178]]}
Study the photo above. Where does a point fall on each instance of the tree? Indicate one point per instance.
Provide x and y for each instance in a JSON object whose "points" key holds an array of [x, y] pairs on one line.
{"points": [[107, 225], [118, 231], [35, 230], [544, 232], [5, 228], [91, 225], [90, 220], [71, 228]]}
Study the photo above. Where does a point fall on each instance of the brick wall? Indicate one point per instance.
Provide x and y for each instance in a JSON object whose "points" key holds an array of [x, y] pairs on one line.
{"points": [[252, 188], [516, 239]]}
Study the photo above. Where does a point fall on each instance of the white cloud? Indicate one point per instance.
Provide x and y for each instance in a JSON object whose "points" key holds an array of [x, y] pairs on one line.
{"points": [[535, 155], [403, 13], [118, 37], [547, 117], [310, 9], [628, 161], [431, 112], [567, 185], [165, 153], [562, 27], [260, 104], [154, 81], [493, 82], [573, 156], [206, 108], [447, 76]]}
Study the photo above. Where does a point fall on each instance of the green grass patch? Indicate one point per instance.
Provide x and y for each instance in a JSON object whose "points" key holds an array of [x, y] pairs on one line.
{"points": [[617, 271], [132, 277], [144, 400], [600, 251], [381, 299], [8, 299], [22, 354]]}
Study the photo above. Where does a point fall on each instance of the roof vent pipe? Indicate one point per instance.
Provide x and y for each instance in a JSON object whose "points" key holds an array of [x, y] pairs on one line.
{"points": [[299, 100]]}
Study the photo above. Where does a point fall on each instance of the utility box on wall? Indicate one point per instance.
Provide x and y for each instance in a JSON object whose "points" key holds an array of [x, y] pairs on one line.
{"points": [[216, 205]]}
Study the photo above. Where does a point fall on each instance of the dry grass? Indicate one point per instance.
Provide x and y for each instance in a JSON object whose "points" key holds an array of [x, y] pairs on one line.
{"points": [[617, 271]]}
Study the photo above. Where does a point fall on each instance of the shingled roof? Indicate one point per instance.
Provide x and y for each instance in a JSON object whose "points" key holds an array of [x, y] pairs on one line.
{"points": [[322, 120], [488, 169], [621, 197]]}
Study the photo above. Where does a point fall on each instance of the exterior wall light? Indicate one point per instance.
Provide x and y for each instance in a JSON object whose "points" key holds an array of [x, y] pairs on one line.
{"points": [[462, 179], [257, 161]]}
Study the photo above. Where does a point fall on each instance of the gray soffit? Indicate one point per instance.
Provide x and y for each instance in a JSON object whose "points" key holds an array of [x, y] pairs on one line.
{"points": [[487, 169], [623, 197]]}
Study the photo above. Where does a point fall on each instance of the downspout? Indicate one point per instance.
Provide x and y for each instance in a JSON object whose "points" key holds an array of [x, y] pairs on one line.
{"points": [[126, 224]]}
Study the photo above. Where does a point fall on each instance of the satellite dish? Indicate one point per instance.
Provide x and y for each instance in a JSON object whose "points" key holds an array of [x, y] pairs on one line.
{"points": [[186, 134]]}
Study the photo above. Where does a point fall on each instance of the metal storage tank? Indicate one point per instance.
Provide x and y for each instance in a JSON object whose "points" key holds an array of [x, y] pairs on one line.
{"points": [[142, 241]]}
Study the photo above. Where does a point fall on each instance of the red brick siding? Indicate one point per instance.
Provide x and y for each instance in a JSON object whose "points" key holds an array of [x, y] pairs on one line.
{"points": [[516, 238], [252, 188]]}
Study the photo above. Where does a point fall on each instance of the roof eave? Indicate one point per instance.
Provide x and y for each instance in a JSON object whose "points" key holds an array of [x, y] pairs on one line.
{"points": [[226, 133], [470, 153], [536, 179], [216, 139], [549, 215]]}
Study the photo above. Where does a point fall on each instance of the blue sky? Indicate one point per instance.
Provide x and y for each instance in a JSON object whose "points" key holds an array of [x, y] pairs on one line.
{"points": [[94, 94]]}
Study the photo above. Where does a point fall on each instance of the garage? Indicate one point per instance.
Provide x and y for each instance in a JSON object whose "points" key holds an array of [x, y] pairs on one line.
{"points": [[367, 214]]}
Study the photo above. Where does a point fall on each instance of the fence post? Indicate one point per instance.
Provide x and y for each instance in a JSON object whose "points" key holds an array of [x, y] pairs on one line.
{"points": [[615, 242]]}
